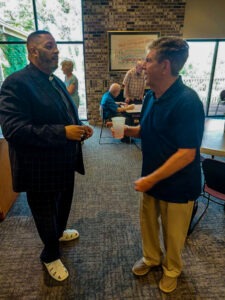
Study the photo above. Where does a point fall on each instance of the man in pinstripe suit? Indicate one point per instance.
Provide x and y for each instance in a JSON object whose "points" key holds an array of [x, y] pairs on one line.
{"points": [[44, 133]]}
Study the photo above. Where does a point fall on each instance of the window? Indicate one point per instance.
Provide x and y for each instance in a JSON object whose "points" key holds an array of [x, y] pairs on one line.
{"points": [[204, 71], [218, 82], [197, 69], [63, 18]]}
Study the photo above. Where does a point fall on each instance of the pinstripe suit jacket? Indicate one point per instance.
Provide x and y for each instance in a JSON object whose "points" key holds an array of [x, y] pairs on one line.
{"points": [[33, 118]]}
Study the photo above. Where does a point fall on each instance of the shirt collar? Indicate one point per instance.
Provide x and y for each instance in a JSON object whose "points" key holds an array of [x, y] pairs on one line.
{"points": [[38, 71], [171, 90]]}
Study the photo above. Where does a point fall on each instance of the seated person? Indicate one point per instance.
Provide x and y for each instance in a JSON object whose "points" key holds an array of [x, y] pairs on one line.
{"points": [[110, 107]]}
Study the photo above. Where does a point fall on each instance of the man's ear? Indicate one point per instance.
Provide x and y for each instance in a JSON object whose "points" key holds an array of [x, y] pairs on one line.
{"points": [[166, 66], [33, 51]]}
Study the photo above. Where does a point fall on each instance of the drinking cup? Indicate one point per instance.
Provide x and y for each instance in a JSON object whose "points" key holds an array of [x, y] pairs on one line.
{"points": [[118, 126]]}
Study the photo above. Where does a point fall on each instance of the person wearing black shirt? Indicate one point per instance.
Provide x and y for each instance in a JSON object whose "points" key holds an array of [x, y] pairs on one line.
{"points": [[41, 124]]}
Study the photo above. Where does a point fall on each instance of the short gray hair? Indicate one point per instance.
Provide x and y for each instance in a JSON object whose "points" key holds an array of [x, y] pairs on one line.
{"points": [[115, 88]]}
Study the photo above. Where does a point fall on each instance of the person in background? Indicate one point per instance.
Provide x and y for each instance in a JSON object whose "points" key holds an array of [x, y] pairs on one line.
{"points": [[134, 84], [171, 174], [112, 109], [71, 81], [41, 124]]}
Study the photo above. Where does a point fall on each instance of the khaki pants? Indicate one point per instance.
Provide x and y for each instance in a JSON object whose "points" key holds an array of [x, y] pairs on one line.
{"points": [[175, 220]]}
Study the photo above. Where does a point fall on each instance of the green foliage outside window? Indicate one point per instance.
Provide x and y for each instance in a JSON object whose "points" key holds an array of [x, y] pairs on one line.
{"points": [[15, 56]]}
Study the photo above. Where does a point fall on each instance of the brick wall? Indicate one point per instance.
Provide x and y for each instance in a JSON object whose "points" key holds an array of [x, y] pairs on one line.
{"points": [[100, 16]]}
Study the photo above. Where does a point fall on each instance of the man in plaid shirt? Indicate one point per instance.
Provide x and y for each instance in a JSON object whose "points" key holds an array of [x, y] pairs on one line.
{"points": [[134, 84]]}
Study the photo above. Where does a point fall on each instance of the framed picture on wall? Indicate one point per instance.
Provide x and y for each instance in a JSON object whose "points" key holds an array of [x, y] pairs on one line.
{"points": [[126, 47]]}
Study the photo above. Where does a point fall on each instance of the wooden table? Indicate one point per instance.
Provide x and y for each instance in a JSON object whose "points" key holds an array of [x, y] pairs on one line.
{"points": [[213, 142], [7, 195]]}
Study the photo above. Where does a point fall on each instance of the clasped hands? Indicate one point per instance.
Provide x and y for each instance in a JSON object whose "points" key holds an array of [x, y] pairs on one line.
{"points": [[78, 132]]}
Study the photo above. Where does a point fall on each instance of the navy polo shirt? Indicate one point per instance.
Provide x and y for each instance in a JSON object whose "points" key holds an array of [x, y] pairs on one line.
{"points": [[173, 121]]}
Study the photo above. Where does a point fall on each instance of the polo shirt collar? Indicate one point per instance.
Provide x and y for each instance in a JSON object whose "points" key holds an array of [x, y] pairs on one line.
{"points": [[171, 90]]}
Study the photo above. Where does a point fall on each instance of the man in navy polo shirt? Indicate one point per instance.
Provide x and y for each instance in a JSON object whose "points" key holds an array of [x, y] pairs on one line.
{"points": [[171, 130]]}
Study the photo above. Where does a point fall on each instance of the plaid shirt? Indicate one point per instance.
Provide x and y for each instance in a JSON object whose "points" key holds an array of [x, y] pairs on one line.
{"points": [[135, 84]]}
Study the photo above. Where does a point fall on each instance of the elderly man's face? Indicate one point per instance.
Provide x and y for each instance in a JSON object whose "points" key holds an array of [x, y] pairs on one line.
{"points": [[139, 68]]}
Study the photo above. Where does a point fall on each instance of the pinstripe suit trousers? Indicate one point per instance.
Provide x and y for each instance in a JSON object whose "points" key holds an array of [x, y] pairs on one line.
{"points": [[50, 211]]}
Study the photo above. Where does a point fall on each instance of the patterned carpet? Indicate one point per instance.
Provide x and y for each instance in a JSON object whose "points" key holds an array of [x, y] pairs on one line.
{"points": [[105, 212]]}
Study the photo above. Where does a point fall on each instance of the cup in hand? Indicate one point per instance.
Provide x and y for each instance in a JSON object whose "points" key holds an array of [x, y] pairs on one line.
{"points": [[118, 127]]}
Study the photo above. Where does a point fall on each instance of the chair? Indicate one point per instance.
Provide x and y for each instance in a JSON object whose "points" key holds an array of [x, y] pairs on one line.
{"points": [[214, 186], [221, 100], [104, 121]]}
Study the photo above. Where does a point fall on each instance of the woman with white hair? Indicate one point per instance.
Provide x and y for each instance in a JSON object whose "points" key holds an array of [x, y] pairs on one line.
{"points": [[71, 80]]}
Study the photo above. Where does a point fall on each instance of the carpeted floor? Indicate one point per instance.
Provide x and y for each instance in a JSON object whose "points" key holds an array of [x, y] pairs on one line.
{"points": [[105, 212]]}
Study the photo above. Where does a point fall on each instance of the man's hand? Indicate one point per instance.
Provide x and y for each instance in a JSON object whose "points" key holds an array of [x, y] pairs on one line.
{"points": [[78, 132], [143, 184], [175, 163], [125, 108], [88, 132], [130, 107], [109, 124]]}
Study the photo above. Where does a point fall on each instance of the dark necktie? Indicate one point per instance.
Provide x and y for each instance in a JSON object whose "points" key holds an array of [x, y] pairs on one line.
{"points": [[66, 102]]}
